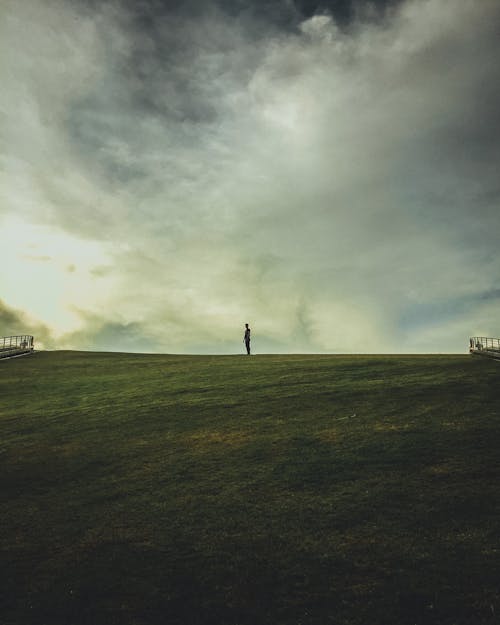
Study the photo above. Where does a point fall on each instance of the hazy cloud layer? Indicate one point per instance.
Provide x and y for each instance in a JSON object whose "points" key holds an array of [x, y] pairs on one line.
{"points": [[327, 172]]}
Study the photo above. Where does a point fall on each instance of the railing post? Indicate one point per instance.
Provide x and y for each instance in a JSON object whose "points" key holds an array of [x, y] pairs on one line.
{"points": [[16, 345], [490, 346]]}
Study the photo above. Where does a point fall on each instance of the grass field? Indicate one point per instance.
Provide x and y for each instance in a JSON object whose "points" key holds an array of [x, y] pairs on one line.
{"points": [[294, 490]]}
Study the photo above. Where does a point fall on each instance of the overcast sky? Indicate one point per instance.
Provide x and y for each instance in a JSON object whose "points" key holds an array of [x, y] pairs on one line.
{"points": [[326, 171]]}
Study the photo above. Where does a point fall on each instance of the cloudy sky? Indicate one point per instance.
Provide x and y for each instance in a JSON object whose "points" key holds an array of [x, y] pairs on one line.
{"points": [[326, 171]]}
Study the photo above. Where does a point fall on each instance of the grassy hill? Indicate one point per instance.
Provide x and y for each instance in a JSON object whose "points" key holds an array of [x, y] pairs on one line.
{"points": [[155, 489]]}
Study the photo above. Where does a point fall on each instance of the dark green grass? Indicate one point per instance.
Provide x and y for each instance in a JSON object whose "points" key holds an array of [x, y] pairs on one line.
{"points": [[153, 489]]}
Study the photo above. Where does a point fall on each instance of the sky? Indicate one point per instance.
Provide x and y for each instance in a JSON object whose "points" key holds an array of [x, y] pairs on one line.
{"points": [[327, 172]]}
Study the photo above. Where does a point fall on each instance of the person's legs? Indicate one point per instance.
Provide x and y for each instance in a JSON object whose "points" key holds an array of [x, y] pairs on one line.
{"points": [[247, 343]]}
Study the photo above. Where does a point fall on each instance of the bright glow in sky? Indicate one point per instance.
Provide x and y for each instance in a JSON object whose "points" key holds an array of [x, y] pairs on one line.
{"points": [[330, 176], [40, 264]]}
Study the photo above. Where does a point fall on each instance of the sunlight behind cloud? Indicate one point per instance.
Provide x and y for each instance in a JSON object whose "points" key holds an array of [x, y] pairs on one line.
{"points": [[48, 272]]}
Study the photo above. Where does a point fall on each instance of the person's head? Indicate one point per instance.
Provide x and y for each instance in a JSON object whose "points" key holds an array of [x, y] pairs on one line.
{"points": [[246, 325]]}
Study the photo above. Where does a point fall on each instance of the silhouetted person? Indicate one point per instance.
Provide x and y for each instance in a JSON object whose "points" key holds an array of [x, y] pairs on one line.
{"points": [[246, 338]]}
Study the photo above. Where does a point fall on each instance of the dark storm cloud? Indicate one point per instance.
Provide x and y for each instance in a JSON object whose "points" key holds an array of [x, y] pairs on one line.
{"points": [[12, 321], [345, 12], [286, 14], [15, 322], [162, 87], [171, 63]]}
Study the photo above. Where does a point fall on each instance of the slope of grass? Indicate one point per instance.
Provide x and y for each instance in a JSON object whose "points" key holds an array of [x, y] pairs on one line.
{"points": [[155, 489]]}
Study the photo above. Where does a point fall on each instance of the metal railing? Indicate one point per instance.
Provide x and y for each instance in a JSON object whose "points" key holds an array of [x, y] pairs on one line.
{"points": [[14, 345], [484, 343]]}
